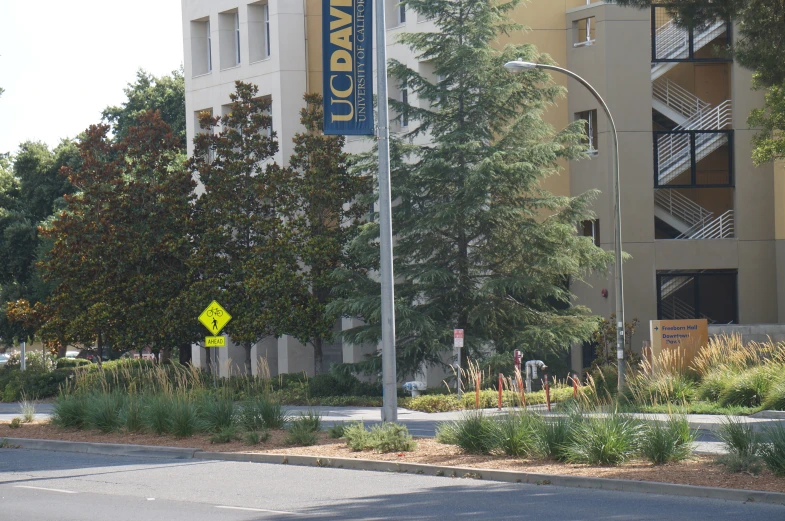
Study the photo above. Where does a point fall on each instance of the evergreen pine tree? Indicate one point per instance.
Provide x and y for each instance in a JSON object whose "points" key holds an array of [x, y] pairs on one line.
{"points": [[480, 245]]}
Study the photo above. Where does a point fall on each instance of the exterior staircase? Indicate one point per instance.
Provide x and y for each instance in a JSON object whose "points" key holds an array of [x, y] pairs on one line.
{"points": [[673, 43]]}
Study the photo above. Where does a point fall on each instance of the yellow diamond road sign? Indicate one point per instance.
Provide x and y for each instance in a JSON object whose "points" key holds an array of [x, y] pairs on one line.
{"points": [[214, 317]]}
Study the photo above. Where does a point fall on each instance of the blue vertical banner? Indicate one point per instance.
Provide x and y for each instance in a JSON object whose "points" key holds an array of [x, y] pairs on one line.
{"points": [[347, 48]]}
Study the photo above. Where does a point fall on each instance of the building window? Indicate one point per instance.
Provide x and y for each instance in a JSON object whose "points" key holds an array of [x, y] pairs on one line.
{"points": [[591, 228], [229, 39], [672, 43], [592, 134], [201, 47], [584, 31], [405, 102], [401, 14], [693, 158], [259, 31], [237, 38], [709, 294]]}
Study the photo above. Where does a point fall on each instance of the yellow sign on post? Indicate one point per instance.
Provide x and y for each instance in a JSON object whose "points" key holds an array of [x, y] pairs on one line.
{"points": [[683, 338], [215, 341], [214, 317]]}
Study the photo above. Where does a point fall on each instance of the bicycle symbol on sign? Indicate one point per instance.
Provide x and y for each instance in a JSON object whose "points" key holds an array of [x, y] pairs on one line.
{"points": [[215, 314]]}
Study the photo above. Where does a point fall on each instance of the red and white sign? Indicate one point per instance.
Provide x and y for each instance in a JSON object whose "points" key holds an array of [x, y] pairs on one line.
{"points": [[458, 337]]}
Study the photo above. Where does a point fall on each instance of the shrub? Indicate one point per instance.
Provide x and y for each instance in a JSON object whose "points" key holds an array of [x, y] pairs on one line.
{"points": [[70, 411], [70, 363], [256, 437], [322, 385], [336, 431], [664, 442], [434, 403], [604, 440], [27, 409], [772, 452], [225, 435], [185, 417], [748, 388], [737, 463], [474, 433], [390, 437], [356, 436], [216, 413], [103, 411], [300, 432], [262, 412], [516, 434], [15, 423], [311, 420], [32, 383], [739, 437]]}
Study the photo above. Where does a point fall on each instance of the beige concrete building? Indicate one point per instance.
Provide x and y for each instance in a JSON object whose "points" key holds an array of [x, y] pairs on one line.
{"points": [[701, 223]]}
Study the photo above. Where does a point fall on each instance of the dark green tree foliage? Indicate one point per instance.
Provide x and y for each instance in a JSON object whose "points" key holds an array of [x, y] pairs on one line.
{"points": [[165, 94], [328, 202], [759, 45], [119, 248], [244, 256], [480, 245], [31, 190]]}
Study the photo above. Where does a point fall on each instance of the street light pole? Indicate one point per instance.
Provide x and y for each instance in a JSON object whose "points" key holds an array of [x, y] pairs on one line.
{"points": [[519, 65], [389, 376]]}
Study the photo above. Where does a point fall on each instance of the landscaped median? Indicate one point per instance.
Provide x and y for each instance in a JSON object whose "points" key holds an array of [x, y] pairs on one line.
{"points": [[396, 451]]}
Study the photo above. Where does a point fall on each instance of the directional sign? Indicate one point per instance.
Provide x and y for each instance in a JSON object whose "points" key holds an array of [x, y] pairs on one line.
{"points": [[214, 317], [215, 341], [684, 337]]}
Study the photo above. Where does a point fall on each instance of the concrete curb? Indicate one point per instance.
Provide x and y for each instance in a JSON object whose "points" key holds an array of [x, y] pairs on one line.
{"points": [[505, 476], [109, 449]]}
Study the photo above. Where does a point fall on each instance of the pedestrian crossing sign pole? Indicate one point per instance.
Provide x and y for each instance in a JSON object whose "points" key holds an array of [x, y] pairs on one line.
{"points": [[214, 318]]}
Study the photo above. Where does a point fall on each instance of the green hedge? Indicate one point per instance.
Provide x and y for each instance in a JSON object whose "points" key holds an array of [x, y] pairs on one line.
{"points": [[32, 384]]}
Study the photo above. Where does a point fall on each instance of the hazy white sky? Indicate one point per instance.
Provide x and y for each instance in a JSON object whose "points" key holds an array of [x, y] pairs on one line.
{"points": [[63, 62]]}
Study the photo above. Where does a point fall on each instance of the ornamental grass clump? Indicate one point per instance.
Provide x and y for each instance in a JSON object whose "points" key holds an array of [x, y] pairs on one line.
{"points": [[749, 388], [474, 433], [185, 420], [157, 414], [772, 451], [104, 411], [553, 436], [301, 432], [604, 440], [132, 414], [217, 413], [669, 441], [387, 437], [739, 437], [516, 434], [70, 411]]}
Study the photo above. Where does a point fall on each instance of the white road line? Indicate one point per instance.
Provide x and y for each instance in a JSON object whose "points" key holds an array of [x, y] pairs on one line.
{"points": [[48, 489], [261, 510]]}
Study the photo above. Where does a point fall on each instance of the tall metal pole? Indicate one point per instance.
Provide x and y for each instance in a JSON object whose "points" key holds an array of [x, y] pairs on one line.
{"points": [[389, 378], [521, 65], [23, 356]]}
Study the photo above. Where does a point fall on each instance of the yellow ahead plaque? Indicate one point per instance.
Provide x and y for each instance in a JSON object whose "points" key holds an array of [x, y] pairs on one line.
{"points": [[215, 341], [214, 317]]}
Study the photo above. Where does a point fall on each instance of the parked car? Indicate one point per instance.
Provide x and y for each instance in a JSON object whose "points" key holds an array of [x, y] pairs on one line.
{"points": [[4, 359]]}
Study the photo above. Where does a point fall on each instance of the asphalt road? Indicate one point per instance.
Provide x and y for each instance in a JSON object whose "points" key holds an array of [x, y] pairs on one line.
{"points": [[50, 486]]}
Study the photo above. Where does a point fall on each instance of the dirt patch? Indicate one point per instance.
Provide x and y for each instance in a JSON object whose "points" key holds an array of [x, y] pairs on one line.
{"points": [[701, 470]]}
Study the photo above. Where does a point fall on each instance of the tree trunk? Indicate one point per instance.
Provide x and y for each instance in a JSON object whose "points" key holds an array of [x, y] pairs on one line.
{"points": [[166, 355], [100, 350], [318, 355], [185, 354], [62, 349], [248, 367]]}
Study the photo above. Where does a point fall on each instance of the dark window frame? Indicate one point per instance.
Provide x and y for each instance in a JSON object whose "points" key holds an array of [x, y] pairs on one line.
{"points": [[691, 53], [697, 275], [694, 163]]}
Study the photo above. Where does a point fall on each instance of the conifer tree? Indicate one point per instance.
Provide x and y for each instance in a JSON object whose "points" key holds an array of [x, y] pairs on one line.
{"points": [[480, 245], [244, 257]]}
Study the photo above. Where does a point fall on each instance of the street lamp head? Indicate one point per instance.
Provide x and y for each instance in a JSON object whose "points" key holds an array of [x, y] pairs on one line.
{"points": [[519, 65]]}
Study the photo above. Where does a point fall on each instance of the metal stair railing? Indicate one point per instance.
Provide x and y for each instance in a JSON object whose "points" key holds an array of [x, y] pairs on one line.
{"points": [[673, 42], [673, 285], [673, 152], [682, 208], [721, 227], [676, 97], [680, 310]]}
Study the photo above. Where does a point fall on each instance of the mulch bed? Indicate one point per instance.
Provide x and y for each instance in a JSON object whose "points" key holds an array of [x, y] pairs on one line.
{"points": [[700, 470]]}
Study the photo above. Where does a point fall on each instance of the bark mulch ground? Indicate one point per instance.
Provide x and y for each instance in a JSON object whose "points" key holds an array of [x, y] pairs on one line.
{"points": [[700, 470]]}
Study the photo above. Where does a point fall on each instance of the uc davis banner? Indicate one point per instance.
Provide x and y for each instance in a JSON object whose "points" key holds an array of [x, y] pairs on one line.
{"points": [[347, 46]]}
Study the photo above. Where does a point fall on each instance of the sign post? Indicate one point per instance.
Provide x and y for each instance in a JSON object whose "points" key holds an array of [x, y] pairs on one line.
{"points": [[214, 318], [456, 355]]}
